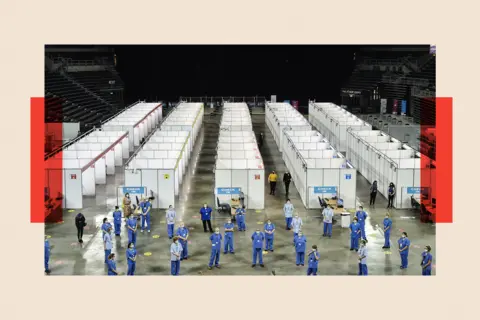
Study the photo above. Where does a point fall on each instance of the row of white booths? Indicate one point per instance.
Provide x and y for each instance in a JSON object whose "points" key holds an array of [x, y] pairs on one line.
{"points": [[239, 165], [377, 156], [317, 169], [158, 167], [85, 162]]}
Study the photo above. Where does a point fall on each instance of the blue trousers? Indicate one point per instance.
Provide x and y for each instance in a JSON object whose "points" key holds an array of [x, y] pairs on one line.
{"points": [[327, 228], [354, 242], [170, 228], [228, 245], [47, 258], [257, 253], [147, 220], [300, 258], [185, 249], [404, 258], [362, 231], [132, 237], [107, 253], [312, 271], [427, 271], [175, 267], [288, 222], [214, 257], [362, 269], [241, 225], [269, 243], [117, 225], [131, 268], [387, 239]]}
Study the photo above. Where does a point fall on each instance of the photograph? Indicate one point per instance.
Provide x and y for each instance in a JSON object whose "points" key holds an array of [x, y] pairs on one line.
{"points": [[240, 160]]}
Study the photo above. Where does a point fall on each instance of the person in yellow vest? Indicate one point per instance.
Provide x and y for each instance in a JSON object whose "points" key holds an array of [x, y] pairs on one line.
{"points": [[272, 178]]}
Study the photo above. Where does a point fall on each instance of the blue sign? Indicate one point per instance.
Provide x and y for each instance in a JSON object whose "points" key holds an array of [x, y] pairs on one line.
{"points": [[404, 106], [228, 190], [348, 177], [134, 190], [331, 190], [417, 190]]}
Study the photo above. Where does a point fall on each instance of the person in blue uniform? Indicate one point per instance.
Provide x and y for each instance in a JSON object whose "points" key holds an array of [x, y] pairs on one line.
{"points": [[354, 234], [240, 217], [107, 243], [427, 261], [206, 214], [288, 211], [313, 257], [362, 259], [175, 257], [117, 220], [403, 247], [257, 248], [216, 240], [112, 265], [132, 229], [182, 235], [105, 225], [228, 246], [391, 195], [300, 247], [297, 224], [327, 221], [269, 230], [47, 255], [387, 228], [170, 216], [361, 217], [131, 259], [145, 215]]}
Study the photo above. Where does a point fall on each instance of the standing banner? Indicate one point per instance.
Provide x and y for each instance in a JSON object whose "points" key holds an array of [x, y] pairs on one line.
{"points": [[404, 107], [383, 105], [395, 106]]}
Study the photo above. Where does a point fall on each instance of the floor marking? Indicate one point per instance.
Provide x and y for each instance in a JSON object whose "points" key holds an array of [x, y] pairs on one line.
{"points": [[60, 222], [163, 221], [71, 210], [195, 217], [191, 228], [156, 236], [147, 254], [48, 236], [73, 244], [258, 211], [260, 222], [388, 252], [58, 262]]}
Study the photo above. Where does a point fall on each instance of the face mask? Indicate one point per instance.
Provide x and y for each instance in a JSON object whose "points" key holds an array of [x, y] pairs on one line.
{"points": [[258, 232], [403, 236], [217, 232], [176, 242], [269, 222], [426, 250]]}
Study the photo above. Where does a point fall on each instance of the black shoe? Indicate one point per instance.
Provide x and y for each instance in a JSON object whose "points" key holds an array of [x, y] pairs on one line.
{"points": [[225, 252], [271, 250], [232, 252], [366, 240], [351, 249], [330, 236], [48, 271], [204, 230], [218, 266], [253, 265], [323, 235], [356, 250], [303, 265], [384, 247], [262, 265], [185, 258]]}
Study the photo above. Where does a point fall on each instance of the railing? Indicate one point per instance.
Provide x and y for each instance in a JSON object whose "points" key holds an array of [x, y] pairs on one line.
{"points": [[406, 81], [422, 93], [257, 101]]}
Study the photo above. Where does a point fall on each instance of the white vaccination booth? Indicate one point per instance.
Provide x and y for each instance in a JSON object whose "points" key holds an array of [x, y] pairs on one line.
{"points": [[79, 167], [239, 165], [280, 116], [159, 166], [139, 120], [382, 158], [333, 121], [317, 169]]}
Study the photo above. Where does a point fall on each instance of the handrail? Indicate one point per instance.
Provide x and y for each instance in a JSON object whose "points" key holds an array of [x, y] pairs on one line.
{"points": [[120, 112], [68, 143]]}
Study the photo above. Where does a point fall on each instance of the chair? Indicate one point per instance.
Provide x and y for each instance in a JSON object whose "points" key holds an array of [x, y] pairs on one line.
{"points": [[224, 207]]}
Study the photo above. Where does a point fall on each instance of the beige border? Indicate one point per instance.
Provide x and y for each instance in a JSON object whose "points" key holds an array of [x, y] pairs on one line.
{"points": [[27, 25]]}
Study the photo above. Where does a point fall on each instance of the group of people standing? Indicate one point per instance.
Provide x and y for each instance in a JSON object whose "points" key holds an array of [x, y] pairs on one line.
{"points": [[272, 180], [390, 193]]}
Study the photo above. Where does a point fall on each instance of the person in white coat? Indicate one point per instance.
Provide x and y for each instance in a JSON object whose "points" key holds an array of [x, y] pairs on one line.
{"points": [[288, 210], [327, 221]]}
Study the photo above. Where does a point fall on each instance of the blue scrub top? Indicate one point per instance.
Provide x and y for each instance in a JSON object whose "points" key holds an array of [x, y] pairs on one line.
{"points": [[300, 243], [206, 213], [117, 216], [402, 243], [257, 240], [387, 222], [216, 240], [182, 232], [268, 227], [354, 227], [312, 261], [426, 257], [361, 216], [228, 226], [131, 253]]}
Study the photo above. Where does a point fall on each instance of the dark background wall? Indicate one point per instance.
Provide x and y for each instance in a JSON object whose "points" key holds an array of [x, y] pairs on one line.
{"points": [[167, 72]]}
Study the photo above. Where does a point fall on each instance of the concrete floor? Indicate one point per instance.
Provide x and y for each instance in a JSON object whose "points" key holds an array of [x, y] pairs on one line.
{"points": [[70, 258]]}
